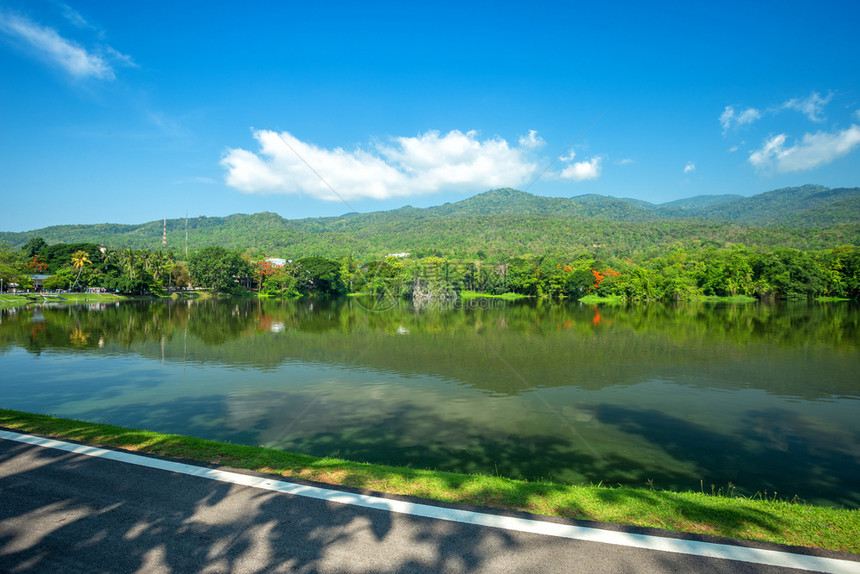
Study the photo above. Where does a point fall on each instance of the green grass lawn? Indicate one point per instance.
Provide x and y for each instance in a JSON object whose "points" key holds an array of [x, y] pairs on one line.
{"points": [[716, 512], [730, 299], [593, 299], [479, 295], [16, 300], [8, 300]]}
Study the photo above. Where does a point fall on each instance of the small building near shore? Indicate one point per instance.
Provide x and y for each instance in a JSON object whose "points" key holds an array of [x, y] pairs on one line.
{"points": [[39, 281]]}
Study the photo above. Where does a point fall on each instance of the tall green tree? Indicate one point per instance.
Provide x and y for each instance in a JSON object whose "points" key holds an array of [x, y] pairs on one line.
{"points": [[13, 267], [179, 275], [218, 269], [33, 247], [320, 276]]}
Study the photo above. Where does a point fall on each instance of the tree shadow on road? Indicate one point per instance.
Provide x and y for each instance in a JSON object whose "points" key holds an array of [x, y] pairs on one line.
{"points": [[124, 522]]}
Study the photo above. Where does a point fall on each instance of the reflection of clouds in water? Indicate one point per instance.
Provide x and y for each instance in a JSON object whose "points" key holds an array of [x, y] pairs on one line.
{"points": [[246, 412], [417, 426], [580, 415]]}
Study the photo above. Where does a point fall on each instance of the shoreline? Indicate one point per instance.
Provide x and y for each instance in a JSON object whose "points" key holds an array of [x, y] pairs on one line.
{"points": [[758, 518], [11, 300]]}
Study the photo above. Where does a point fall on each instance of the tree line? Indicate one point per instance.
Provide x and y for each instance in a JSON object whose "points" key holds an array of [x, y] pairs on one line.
{"points": [[664, 275], [77, 266], [679, 275]]}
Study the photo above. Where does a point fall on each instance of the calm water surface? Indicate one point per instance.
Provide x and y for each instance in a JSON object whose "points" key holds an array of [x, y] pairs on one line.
{"points": [[762, 397]]}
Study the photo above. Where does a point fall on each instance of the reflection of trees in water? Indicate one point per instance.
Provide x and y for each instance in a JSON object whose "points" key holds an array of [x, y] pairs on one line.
{"points": [[91, 326], [218, 321], [513, 349], [505, 348]]}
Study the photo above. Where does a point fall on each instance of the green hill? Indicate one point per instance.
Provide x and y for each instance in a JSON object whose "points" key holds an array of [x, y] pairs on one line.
{"points": [[784, 205], [840, 211], [699, 202], [509, 222]]}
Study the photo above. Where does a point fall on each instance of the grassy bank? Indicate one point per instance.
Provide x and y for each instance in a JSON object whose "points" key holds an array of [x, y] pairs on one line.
{"points": [[756, 518], [594, 299], [479, 295], [730, 299], [615, 299], [8, 300], [16, 300]]}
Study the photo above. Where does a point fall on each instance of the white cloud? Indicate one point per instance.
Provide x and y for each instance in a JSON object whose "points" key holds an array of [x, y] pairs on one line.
{"points": [[531, 141], [733, 149], [726, 118], [690, 167], [408, 166], [812, 151], [582, 170], [770, 149], [74, 17], [729, 118], [748, 116], [46, 43], [812, 106], [857, 115], [625, 161], [124, 59]]}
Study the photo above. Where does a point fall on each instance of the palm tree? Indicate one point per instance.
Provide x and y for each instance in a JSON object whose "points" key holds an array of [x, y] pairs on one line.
{"points": [[128, 260], [159, 264], [79, 261]]}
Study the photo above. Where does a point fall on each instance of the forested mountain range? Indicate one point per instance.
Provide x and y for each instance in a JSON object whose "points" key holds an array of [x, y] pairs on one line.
{"points": [[509, 222]]}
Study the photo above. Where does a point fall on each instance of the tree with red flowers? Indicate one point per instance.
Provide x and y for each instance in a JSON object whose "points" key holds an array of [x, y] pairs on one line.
{"points": [[36, 265]]}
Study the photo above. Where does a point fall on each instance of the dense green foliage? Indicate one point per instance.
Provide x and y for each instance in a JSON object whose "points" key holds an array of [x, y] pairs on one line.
{"points": [[679, 275], [788, 243], [13, 268], [676, 275], [506, 223], [59, 255], [33, 246], [218, 269], [81, 265], [789, 206]]}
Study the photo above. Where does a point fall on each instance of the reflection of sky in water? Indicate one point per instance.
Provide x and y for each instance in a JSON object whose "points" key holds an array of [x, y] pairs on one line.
{"points": [[525, 404]]}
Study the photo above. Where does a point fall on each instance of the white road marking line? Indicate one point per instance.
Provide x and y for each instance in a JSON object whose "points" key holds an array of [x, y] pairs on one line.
{"points": [[647, 542]]}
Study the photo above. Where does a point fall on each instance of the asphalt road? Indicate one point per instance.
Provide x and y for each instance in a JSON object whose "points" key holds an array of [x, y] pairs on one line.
{"points": [[66, 512]]}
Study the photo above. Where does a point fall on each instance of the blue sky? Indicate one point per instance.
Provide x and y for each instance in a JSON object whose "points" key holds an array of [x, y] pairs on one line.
{"points": [[129, 112]]}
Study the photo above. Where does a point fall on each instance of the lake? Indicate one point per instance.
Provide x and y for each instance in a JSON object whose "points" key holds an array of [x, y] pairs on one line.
{"points": [[762, 397]]}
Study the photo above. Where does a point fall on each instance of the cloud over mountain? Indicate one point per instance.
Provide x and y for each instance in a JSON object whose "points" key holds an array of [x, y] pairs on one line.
{"points": [[404, 166], [812, 151]]}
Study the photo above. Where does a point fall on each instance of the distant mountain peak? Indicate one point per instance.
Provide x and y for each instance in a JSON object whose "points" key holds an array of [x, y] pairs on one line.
{"points": [[489, 212]]}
